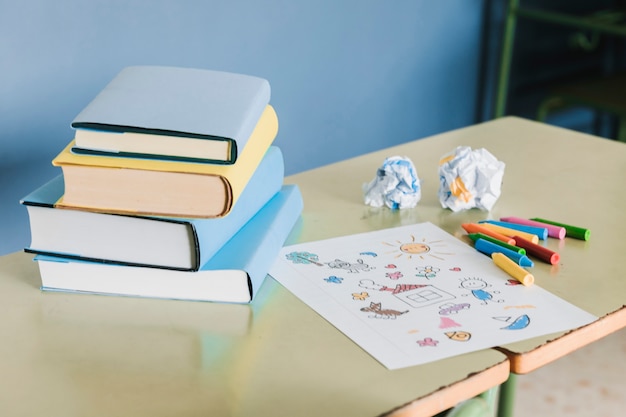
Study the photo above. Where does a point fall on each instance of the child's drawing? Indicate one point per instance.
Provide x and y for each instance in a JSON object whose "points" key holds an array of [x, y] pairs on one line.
{"points": [[451, 308], [376, 287], [459, 336], [519, 323], [333, 279], [447, 322], [427, 342], [419, 248], [477, 288], [381, 313], [360, 296], [427, 272], [396, 275], [415, 295], [520, 307], [358, 266], [303, 258]]}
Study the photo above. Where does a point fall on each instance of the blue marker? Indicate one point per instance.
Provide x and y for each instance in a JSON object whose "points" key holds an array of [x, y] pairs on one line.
{"points": [[541, 232], [488, 248]]}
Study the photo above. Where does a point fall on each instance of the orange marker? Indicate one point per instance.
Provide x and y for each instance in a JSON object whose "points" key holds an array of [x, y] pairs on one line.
{"points": [[511, 232], [478, 228]]}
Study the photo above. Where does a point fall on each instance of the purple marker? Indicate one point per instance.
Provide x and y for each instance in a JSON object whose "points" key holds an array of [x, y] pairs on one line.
{"points": [[553, 231]]}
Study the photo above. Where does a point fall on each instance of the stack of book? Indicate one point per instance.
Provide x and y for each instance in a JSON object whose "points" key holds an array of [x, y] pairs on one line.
{"points": [[171, 188]]}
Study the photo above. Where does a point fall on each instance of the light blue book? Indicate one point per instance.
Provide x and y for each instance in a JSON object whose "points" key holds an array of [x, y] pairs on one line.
{"points": [[234, 274], [173, 113], [165, 242]]}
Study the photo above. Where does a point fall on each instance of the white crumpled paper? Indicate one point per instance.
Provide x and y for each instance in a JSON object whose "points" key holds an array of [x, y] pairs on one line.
{"points": [[470, 178], [396, 185]]}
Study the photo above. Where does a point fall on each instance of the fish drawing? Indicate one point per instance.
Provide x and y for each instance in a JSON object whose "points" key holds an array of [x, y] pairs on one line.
{"points": [[519, 323]]}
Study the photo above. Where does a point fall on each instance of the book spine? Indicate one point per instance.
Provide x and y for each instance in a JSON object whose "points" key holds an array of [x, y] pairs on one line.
{"points": [[264, 184], [262, 237]]}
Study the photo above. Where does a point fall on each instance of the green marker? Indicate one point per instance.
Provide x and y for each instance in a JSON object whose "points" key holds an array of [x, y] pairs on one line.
{"points": [[476, 236], [571, 231]]}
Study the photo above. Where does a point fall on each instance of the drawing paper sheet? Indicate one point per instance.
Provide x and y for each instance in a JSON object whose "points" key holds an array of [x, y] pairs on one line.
{"points": [[415, 294]]}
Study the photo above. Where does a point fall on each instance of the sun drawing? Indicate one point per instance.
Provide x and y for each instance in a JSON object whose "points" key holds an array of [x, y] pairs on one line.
{"points": [[418, 248]]}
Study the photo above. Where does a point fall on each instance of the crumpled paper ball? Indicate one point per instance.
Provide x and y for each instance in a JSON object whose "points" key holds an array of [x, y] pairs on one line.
{"points": [[396, 185], [470, 178]]}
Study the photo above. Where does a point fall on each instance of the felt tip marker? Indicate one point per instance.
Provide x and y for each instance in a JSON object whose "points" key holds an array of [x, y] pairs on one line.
{"points": [[570, 231], [511, 232], [538, 251], [476, 236], [557, 232], [488, 248], [541, 232], [477, 228], [513, 269]]}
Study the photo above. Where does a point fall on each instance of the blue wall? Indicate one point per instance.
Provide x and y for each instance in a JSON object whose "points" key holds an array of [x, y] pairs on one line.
{"points": [[347, 77]]}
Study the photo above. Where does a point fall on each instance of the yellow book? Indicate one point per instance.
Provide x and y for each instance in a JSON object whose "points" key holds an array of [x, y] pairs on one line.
{"points": [[161, 187]]}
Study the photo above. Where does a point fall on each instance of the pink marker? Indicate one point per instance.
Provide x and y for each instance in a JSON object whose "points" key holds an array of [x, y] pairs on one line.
{"points": [[553, 231]]}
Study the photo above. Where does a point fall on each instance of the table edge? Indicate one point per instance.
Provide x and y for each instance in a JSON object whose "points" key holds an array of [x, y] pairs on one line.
{"points": [[525, 362], [449, 396]]}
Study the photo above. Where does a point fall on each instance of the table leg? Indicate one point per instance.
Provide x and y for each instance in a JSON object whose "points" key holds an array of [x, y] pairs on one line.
{"points": [[506, 400], [475, 407], [480, 406], [506, 57]]}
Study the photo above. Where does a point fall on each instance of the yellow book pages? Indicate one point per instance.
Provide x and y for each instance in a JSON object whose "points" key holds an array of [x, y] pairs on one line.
{"points": [[236, 175], [143, 192]]}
